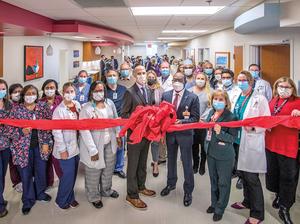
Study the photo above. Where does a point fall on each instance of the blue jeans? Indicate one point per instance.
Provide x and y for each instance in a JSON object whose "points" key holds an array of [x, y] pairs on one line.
{"points": [[4, 159], [120, 157]]}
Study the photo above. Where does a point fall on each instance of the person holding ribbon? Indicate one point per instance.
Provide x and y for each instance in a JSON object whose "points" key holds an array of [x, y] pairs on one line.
{"points": [[53, 98], [282, 155], [251, 141], [31, 148], [98, 147], [66, 150], [82, 87], [220, 153]]}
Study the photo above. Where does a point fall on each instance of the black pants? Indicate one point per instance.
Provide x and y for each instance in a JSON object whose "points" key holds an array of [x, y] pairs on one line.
{"points": [[236, 149], [282, 177], [253, 194], [199, 139], [137, 167]]}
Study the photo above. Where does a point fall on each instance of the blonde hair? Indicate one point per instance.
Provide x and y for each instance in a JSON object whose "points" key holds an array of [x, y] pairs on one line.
{"points": [[284, 79], [157, 85], [224, 94], [207, 86], [67, 85], [248, 76]]}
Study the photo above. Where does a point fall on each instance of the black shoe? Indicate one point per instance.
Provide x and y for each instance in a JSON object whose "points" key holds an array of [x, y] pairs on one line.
{"points": [[284, 215], [166, 190], [234, 175], [217, 217], [46, 199], [202, 170], [161, 161], [120, 174], [26, 211], [239, 184], [98, 204], [195, 169], [3, 213], [114, 194], [275, 203], [187, 200], [210, 210]]}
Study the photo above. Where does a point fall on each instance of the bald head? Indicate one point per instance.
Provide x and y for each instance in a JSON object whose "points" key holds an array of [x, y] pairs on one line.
{"points": [[124, 66], [164, 64]]}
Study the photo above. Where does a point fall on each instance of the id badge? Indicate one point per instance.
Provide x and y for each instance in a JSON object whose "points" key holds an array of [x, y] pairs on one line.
{"points": [[34, 117], [81, 98], [115, 96], [208, 135]]}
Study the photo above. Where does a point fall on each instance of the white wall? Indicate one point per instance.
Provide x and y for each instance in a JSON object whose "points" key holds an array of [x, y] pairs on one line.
{"points": [[175, 51], [226, 40], [13, 58], [138, 50]]}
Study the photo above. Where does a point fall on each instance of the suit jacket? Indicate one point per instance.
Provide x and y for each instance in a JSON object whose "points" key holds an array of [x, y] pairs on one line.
{"points": [[220, 146], [133, 98], [189, 100], [115, 64]]}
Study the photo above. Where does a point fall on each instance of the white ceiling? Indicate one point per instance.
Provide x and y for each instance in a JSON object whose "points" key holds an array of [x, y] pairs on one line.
{"points": [[142, 28]]}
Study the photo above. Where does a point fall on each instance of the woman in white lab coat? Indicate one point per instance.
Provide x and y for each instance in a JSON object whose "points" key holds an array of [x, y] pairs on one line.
{"points": [[65, 151], [252, 156], [98, 147]]}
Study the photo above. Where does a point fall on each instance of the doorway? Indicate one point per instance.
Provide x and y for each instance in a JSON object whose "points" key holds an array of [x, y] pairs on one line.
{"points": [[238, 60]]}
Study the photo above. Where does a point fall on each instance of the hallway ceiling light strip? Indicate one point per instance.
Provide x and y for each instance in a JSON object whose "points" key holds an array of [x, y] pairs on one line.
{"points": [[184, 31], [175, 10]]}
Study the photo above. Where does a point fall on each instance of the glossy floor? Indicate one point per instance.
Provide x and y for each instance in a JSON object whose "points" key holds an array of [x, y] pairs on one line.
{"points": [[161, 210]]}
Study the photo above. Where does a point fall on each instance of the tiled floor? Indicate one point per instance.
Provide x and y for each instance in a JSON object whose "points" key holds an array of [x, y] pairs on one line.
{"points": [[161, 210]]}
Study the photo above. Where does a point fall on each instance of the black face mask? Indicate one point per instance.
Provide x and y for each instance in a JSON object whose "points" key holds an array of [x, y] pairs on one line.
{"points": [[151, 82]]}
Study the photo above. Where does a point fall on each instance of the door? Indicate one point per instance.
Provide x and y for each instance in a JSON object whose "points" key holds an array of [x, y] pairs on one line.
{"points": [[275, 62], [238, 60]]}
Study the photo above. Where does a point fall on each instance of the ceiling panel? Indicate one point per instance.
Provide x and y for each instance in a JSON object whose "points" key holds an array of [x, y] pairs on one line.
{"points": [[42, 4], [109, 12], [152, 20], [204, 3], [140, 3]]}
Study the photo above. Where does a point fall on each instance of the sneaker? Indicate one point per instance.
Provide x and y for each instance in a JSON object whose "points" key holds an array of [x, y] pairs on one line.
{"points": [[46, 199]]}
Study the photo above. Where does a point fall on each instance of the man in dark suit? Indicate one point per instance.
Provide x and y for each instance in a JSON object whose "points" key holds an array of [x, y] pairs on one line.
{"points": [[102, 64], [137, 154], [114, 63], [187, 109]]}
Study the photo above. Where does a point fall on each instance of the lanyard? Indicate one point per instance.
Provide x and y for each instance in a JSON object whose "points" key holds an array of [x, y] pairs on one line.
{"points": [[239, 108], [278, 109]]}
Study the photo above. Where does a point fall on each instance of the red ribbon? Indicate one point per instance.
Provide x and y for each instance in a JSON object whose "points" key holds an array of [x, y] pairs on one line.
{"points": [[150, 122]]}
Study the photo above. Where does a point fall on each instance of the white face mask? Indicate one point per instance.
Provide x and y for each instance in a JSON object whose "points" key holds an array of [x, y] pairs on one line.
{"points": [[188, 72], [178, 86], [30, 99], [218, 77], [284, 93], [200, 82], [98, 96], [15, 97], [50, 92], [142, 79], [69, 96]]}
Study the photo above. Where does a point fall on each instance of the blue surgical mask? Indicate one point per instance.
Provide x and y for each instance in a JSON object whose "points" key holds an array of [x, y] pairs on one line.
{"points": [[112, 80], [218, 105], [2, 94], [208, 71], [124, 73], [255, 74], [82, 80], [243, 85], [226, 82], [165, 73]]}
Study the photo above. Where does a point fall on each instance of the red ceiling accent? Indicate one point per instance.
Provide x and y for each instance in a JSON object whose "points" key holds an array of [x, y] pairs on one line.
{"points": [[23, 22], [104, 44]]}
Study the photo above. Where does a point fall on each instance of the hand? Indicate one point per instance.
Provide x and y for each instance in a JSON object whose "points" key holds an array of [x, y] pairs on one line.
{"points": [[95, 157], [178, 121], [217, 129], [119, 142], [295, 113], [64, 155], [26, 131], [45, 149], [249, 129]]}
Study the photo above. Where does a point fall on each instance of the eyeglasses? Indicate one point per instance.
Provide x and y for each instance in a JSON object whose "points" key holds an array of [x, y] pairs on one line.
{"points": [[285, 87]]}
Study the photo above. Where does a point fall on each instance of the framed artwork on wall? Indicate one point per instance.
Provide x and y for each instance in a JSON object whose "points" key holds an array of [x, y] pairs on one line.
{"points": [[76, 64], [33, 62], [75, 53], [222, 59]]}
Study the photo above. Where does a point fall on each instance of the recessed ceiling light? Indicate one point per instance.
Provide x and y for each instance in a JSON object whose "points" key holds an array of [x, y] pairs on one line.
{"points": [[184, 31], [78, 37], [175, 10], [173, 38]]}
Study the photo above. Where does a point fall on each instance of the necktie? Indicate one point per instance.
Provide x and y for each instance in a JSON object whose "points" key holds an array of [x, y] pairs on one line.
{"points": [[175, 102], [144, 94]]}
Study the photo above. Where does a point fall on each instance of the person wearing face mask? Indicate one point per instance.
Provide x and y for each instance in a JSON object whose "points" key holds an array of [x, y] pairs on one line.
{"points": [[116, 93], [165, 80], [66, 150], [251, 153], [126, 79], [188, 73], [31, 148], [14, 96], [282, 149], [202, 90], [98, 147], [53, 98], [220, 153], [260, 85], [209, 71], [187, 109], [218, 78], [82, 87], [5, 154], [138, 95]]}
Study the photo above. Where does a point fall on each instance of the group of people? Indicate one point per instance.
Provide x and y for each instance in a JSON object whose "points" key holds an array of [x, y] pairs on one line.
{"points": [[199, 93]]}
